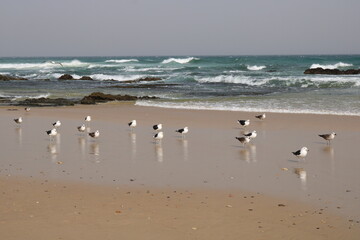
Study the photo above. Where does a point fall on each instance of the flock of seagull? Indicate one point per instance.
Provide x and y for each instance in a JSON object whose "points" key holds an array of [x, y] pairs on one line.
{"points": [[246, 138]]}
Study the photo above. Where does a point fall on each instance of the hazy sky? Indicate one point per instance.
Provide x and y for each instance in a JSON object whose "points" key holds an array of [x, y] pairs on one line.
{"points": [[178, 27]]}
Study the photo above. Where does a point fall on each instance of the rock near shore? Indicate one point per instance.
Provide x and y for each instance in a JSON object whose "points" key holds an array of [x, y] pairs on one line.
{"points": [[8, 78], [69, 77], [99, 97], [332, 71], [43, 102]]}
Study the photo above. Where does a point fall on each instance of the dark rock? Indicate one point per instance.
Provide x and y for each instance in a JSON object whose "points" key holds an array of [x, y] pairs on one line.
{"points": [[46, 102], [85, 78], [332, 71], [66, 77], [5, 100], [8, 78], [98, 97]]}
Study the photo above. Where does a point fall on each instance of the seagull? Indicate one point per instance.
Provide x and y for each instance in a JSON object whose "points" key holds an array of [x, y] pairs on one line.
{"points": [[261, 116], [183, 131], [87, 118], [52, 132], [159, 136], [18, 120], [328, 137], [57, 124], [95, 134], [253, 134], [81, 128], [301, 153], [53, 62], [157, 127], [132, 124], [27, 109], [243, 140], [244, 123]]}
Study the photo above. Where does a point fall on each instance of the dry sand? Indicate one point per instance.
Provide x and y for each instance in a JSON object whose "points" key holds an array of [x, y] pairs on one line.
{"points": [[203, 186]]}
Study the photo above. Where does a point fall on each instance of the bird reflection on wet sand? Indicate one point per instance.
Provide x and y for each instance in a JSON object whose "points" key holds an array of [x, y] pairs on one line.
{"points": [[132, 137], [302, 176], [248, 153], [184, 144], [159, 153], [18, 131]]}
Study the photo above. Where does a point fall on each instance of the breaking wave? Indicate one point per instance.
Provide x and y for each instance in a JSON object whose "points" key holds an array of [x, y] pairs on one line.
{"points": [[121, 60], [333, 66], [273, 107], [46, 64], [103, 77], [255, 68], [179, 60], [16, 97]]}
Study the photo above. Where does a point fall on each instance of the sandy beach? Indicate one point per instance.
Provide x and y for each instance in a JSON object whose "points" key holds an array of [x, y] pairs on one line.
{"points": [[202, 186]]}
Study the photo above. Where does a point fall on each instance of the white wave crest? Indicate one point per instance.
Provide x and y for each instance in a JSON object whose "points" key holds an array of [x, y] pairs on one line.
{"points": [[255, 68], [230, 79], [16, 97], [43, 65], [121, 60], [102, 77], [230, 106], [333, 66], [179, 60]]}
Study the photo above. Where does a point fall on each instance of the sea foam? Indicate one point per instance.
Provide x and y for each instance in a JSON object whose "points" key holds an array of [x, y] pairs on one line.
{"points": [[121, 60], [230, 79], [179, 60], [46, 65], [255, 67], [230, 106], [103, 77], [333, 66]]}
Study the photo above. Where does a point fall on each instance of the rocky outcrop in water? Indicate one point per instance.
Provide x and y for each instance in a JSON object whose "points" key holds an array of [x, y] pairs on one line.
{"points": [[85, 78], [99, 97], [69, 77], [8, 78], [332, 71], [45, 102]]}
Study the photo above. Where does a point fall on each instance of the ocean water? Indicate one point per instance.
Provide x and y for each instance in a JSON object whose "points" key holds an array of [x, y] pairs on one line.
{"points": [[232, 83]]}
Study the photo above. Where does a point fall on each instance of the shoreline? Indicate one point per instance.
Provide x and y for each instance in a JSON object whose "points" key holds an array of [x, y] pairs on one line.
{"points": [[208, 159]]}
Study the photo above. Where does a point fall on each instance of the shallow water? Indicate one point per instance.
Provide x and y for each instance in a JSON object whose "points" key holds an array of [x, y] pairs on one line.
{"points": [[205, 158]]}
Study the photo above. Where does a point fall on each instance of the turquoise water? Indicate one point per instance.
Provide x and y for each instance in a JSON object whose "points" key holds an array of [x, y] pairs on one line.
{"points": [[235, 83]]}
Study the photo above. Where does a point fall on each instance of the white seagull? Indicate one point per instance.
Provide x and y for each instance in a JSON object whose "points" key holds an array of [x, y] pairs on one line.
{"points": [[301, 153], [328, 137], [261, 116], [95, 134], [159, 136], [87, 118], [243, 140], [253, 134], [27, 109], [18, 120], [132, 124], [81, 128], [53, 62], [244, 123], [183, 131], [157, 127], [51, 132], [57, 124]]}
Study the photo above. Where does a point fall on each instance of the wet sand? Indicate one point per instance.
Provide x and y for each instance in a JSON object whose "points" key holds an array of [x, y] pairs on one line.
{"points": [[124, 182]]}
